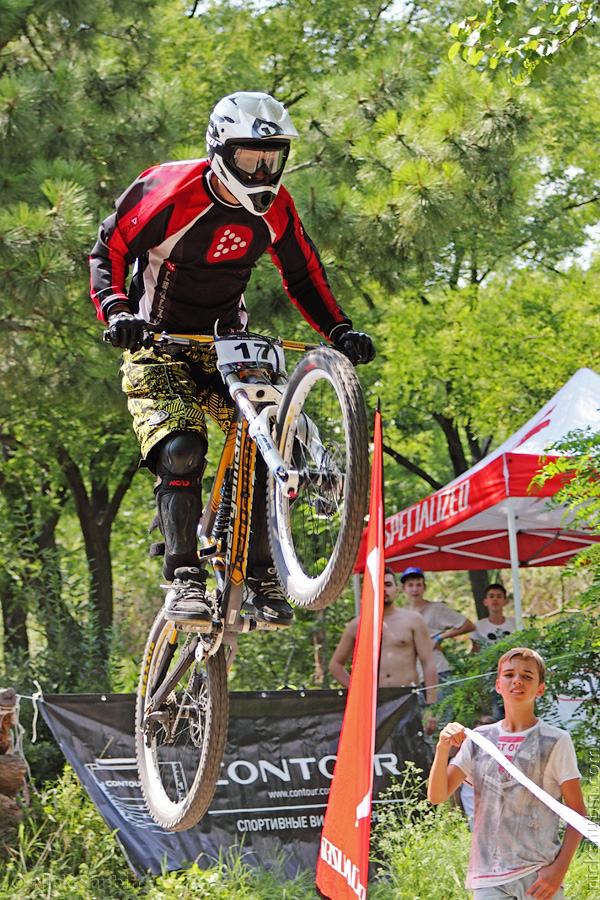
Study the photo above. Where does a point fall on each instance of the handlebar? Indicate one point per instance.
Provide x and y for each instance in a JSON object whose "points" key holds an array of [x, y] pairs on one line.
{"points": [[194, 340]]}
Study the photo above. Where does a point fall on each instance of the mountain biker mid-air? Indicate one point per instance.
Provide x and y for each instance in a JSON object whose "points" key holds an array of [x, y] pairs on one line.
{"points": [[192, 231]]}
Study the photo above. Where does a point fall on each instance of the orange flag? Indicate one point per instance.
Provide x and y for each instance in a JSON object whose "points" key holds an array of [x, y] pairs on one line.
{"points": [[343, 864]]}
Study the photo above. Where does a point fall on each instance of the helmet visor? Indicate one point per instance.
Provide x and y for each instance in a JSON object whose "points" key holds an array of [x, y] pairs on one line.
{"points": [[258, 165]]}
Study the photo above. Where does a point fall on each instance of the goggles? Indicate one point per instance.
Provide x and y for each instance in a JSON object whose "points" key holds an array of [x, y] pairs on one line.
{"points": [[258, 165]]}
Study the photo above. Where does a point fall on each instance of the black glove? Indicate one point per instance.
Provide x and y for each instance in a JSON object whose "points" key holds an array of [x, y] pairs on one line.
{"points": [[357, 346], [127, 332]]}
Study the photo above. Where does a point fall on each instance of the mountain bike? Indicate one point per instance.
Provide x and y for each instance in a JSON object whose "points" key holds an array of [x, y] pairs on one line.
{"points": [[311, 431]]}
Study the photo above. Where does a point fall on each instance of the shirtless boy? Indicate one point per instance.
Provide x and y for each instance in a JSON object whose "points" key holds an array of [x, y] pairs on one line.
{"points": [[404, 639]]}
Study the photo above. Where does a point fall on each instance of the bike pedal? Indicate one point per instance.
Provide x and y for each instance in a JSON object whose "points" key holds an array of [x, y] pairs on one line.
{"points": [[261, 625], [195, 627]]}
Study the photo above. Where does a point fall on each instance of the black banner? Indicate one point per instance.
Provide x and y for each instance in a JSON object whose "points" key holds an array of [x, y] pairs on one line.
{"points": [[275, 777]]}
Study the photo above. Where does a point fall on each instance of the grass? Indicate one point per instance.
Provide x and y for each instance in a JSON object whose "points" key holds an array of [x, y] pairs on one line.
{"points": [[63, 851]]}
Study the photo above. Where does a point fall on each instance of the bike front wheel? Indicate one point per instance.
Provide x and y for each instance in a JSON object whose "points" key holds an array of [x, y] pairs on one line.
{"points": [[181, 721], [321, 431]]}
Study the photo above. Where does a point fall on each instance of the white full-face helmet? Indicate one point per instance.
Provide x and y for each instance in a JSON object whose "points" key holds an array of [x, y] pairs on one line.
{"points": [[248, 141]]}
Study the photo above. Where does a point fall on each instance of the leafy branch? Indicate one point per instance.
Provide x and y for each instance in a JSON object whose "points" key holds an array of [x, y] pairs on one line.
{"points": [[525, 37]]}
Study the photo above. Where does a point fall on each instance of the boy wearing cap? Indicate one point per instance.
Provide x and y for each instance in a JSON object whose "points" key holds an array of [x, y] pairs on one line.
{"points": [[443, 622]]}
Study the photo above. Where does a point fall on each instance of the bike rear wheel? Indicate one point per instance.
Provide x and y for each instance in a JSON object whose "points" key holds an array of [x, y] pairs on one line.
{"points": [[321, 430], [180, 740]]}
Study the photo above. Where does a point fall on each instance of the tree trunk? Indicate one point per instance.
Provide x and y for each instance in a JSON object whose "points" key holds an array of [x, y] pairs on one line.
{"points": [[34, 542], [411, 467], [97, 548], [14, 616], [455, 447], [96, 510], [479, 582], [479, 579], [319, 644]]}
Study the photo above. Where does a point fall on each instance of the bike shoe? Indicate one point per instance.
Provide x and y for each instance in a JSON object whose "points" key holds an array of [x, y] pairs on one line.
{"points": [[185, 600], [269, 599]]}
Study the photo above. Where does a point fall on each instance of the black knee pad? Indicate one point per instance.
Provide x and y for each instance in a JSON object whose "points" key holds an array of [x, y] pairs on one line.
{"points": [[181, 454], [180, 463]]}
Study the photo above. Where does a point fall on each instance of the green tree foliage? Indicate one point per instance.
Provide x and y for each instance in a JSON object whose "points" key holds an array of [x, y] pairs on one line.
{"points": [[525, 37], [449, 203], [449, 207], [87, 100], [72, 84], [446, 212], [577, 468]]}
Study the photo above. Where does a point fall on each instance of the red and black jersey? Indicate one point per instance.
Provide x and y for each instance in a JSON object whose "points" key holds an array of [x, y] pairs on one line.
{"points": [[194, 253]]}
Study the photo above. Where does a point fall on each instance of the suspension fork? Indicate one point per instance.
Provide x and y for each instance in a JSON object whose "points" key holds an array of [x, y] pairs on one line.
{"points": [[258, 426]]}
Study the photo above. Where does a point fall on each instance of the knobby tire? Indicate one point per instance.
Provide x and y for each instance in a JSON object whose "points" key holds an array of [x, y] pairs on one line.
{"points": [[321, 429]]}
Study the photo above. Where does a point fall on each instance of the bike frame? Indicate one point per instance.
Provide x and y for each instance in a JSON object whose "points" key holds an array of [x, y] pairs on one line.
{"points": [[256, 399]]}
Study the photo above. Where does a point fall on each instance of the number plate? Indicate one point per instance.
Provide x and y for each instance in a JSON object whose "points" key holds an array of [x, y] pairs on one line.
{"points": [[249, 351]]}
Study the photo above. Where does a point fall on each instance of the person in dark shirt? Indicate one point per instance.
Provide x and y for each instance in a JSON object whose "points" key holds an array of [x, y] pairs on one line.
{"points": [[191, 231]]}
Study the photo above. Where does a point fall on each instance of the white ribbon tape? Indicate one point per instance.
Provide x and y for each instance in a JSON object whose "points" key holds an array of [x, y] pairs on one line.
{"points": [[584, 826]]}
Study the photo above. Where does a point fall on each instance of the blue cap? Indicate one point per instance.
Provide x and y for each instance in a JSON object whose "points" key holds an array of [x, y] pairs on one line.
{"points": [[412, 570]]}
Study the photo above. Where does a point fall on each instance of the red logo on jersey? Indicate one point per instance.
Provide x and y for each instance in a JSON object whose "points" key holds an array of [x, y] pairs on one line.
{"points": [[170, 265], [229, 242]]}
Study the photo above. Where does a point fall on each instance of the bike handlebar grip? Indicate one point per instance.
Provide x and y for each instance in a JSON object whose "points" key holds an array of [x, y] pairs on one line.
{"points": [[107, 340]]}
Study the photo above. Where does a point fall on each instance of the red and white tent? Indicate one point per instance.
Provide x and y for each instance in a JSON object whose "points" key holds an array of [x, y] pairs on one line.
{"points": [[490, 518]]}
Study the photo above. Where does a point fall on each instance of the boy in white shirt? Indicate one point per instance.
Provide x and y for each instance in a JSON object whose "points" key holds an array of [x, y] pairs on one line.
{"points": [[516, 851], [495, 626]]}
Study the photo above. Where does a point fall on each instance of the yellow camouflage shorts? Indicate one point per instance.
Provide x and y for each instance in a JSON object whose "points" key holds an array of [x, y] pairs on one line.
{"points": [[169, 392]]}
